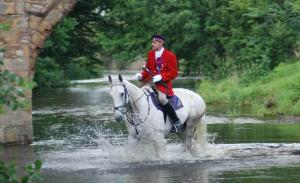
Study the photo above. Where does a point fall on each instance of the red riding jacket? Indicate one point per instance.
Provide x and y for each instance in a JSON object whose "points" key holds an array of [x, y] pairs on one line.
{"points": [[166, 65]]}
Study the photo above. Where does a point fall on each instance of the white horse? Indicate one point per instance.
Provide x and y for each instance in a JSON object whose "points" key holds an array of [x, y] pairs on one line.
{"points": [[145, 121]]}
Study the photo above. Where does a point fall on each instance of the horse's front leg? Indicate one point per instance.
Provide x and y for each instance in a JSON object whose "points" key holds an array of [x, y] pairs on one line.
{"points": [[158, 143]]}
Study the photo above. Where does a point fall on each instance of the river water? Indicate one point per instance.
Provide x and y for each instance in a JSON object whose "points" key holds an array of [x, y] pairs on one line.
{"points": [[78, 140]]}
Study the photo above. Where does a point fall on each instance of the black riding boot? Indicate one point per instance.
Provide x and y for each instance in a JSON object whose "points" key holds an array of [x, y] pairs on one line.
{"points": [[176, 125]]}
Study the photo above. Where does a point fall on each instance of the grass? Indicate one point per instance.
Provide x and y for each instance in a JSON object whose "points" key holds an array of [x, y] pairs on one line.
{"points": [[278, 93]]}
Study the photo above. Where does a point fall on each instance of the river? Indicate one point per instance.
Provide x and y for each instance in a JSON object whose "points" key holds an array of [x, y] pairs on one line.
{"points": [[78, 140]]}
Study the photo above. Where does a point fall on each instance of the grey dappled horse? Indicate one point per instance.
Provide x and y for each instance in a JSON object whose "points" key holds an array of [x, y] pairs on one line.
{"points": [[145, 121]]}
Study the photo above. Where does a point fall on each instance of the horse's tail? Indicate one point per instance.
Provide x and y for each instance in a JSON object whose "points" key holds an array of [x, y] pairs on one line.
{"points": [[200, 132]]}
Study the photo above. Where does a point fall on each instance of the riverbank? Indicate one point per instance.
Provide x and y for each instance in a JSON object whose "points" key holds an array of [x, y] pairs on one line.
{"points": [[275, 95]]}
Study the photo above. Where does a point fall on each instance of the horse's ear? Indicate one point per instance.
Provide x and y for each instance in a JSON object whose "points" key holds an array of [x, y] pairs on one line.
{"points": [[109, 79], [120, 78]]}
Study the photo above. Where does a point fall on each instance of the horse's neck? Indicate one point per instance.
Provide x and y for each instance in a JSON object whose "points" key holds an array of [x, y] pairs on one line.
{"points": [[136, 95]]}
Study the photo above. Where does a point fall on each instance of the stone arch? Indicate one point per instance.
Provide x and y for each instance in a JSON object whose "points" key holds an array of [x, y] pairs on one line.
{"points": [[31, 22]]}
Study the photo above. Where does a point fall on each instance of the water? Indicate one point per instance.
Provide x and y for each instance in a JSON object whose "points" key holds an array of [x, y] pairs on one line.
{"points": [[78, 140]]}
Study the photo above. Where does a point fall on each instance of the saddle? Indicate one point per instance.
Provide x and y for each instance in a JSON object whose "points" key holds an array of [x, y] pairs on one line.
{"points": [[174, 100]]}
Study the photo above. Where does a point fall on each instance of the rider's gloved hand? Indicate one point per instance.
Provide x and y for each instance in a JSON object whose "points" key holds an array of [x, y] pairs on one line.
{"points": [[156, 78], [139, 76]]}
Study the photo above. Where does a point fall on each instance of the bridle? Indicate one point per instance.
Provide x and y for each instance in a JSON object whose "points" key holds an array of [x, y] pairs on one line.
{"points": [[124, 105], [128, 108]]}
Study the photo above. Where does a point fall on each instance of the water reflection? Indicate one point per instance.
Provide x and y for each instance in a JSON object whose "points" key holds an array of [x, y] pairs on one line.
{"points": [[149, 175], [255, 133]]}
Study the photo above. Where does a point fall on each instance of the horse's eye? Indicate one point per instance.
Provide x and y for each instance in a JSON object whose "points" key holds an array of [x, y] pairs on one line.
{"points": [[122, 94]]}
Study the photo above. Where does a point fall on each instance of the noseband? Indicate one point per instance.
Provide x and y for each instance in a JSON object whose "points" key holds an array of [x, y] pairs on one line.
{"points": [[124, 105]]}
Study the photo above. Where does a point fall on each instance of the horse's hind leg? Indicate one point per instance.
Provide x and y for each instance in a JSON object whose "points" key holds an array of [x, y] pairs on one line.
{"points": [[201, 132], [188, 134], [195, 131]]}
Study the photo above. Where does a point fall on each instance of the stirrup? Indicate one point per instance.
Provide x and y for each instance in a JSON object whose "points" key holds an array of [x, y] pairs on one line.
{"points": [[176, 127]]}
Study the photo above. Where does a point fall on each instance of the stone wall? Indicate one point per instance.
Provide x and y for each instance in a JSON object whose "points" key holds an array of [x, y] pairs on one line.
{"points": [[31, 22]]}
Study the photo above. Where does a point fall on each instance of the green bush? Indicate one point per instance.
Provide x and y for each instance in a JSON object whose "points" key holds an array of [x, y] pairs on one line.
{"points": [[8, 173], [80, 68], [278, 93], [214, 38], [49, 74]]}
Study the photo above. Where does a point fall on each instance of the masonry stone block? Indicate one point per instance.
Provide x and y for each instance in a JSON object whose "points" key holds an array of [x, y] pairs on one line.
{"points": [[34, 8], [22, 73], [7, 8], [1, 55], [25, 37], [54, 16], [26, 52], [33, 56], [25, 134], [14, 57], [38, 39], [34, 22], [20, 8], [11, 134], [16, 64], [4, 120], [17, 51], [45, 26], [2, 135], [3, 8], [39, 1], [18, 134], [10, 37], [66, 5], [20, 118], [20, 22]]}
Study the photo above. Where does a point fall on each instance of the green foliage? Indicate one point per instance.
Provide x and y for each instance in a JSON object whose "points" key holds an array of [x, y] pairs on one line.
{"points": [[217, 38], [277, 93], [12, 90], [49, 74], [61, 59], [60, 39], [8, 173], [75, 71], [214, 38], [4, 26], [12, 87]]}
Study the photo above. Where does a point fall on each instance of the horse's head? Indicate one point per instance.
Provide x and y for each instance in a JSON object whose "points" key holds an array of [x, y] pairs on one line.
{"points": [[120, 97]]}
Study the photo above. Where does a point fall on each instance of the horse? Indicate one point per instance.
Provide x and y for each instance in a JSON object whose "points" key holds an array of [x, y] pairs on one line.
{"points": [[144, 121]]}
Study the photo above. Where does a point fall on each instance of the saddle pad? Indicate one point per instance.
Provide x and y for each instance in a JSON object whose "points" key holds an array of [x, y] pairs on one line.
{"points": [[174, 100]]}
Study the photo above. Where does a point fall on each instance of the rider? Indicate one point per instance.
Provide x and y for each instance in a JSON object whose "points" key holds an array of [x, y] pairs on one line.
{"points": [[163, 64]]}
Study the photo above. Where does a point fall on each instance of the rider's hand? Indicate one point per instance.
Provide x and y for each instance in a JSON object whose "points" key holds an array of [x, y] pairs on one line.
{"points": [[139, 76], [156, 78]]}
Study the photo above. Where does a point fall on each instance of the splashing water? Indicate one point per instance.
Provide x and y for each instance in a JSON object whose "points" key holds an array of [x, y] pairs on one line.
{"points": [[78, 140]]}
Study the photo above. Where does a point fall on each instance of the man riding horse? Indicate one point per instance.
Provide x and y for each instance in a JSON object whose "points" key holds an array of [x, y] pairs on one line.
{"points": [[162, 68]]}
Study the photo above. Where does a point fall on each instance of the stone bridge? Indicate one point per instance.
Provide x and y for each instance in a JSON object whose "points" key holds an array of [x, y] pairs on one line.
{"points": [[31, 22]]}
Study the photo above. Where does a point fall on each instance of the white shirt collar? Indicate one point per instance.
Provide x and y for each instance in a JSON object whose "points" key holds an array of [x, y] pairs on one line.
{"points": [[159, 53]]}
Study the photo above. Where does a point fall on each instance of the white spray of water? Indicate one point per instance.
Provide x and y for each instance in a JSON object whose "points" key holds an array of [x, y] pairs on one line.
{"points": [[114, 152], [156, 149]]}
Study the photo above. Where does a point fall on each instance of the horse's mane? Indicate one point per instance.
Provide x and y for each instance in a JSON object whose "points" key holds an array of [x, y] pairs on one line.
{"points": [[146, 87]]}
